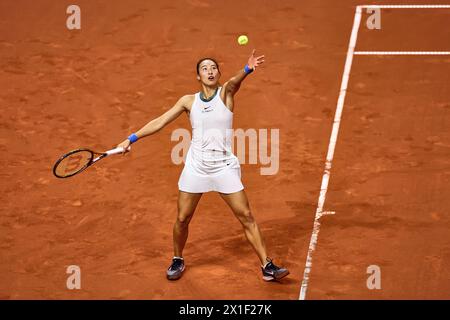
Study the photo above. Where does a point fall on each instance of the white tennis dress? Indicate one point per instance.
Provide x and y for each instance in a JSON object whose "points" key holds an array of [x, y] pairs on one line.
{"points": [[210, 163]]}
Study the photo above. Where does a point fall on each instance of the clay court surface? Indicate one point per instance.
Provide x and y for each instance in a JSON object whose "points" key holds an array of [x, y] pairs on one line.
{"points": [[131, 61]]}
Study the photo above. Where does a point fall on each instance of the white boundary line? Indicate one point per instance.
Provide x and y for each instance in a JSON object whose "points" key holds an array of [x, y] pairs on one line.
{"points": [[426, 6], [402, 53], [330, 154], [337, 120]]}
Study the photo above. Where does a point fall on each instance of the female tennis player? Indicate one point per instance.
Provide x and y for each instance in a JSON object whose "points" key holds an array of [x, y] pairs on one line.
{"points": [[210, 164]]}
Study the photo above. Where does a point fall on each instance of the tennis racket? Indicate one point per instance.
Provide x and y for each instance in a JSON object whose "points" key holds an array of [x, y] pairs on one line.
{"points": [[76, 161]]}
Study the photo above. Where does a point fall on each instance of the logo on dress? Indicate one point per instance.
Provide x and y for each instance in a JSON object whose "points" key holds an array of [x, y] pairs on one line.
{"points": [[207, 109]]}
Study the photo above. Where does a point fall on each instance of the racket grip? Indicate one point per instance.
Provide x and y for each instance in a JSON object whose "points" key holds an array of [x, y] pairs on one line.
{"points": [[116, 151]]}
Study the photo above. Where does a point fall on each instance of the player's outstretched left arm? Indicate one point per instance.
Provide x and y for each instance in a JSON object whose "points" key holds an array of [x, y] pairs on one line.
{"points": [[232, 86]]}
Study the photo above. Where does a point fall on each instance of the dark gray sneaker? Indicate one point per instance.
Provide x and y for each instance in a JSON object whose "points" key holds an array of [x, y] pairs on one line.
{"points": [[176, 269], [272, 272]]}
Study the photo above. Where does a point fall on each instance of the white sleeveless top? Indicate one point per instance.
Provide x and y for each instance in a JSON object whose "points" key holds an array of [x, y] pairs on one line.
{"points": [[212, 132]]}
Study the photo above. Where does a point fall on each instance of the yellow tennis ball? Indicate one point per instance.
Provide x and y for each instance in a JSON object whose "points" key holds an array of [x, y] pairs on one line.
{"points": [[243, 40]]}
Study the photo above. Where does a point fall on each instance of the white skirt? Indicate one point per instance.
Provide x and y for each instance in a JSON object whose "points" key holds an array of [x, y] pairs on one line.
{"points": [[226, 181]]}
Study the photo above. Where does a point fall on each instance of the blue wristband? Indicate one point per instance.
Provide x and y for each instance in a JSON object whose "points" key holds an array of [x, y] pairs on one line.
{"points": [[247, 70], [133, 138]]}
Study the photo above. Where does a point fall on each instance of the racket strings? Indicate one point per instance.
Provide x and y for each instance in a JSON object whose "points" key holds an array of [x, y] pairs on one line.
{"points": [[73, 163]]}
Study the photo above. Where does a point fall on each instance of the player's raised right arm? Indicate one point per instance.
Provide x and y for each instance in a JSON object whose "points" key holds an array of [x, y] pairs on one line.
{"points": [[158, 123]]}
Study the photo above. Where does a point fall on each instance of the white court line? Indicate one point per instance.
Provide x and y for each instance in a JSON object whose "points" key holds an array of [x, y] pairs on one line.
{"points": [[426, 6], [402, 53], [330, 154], [335, 130]]}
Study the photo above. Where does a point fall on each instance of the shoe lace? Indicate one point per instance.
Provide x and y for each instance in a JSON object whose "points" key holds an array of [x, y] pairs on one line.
{"points": [[271, 265], [176, 264]]}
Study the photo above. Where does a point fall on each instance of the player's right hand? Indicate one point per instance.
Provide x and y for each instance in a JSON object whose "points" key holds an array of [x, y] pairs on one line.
{"points": [[125, 145]]}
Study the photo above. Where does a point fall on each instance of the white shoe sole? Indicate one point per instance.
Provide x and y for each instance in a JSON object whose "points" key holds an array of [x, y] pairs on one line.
{"points": [[175, 277], [272, 278]]}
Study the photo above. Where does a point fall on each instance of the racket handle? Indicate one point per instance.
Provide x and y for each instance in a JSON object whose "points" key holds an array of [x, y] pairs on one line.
{"points": [[116, 150]]}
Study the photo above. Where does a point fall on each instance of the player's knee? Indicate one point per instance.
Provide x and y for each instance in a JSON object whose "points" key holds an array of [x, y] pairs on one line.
{"points": [[246, 218], [183, 220]]}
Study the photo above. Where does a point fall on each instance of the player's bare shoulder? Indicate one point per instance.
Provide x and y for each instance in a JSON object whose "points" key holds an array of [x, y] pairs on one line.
{"points": [[187, 101]]}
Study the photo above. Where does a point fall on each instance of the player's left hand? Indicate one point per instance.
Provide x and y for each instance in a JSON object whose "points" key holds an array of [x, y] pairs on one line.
{"points": [[254, 62]]}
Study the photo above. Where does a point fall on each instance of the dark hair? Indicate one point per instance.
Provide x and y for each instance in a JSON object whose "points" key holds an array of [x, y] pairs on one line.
{"points": [[203, 59]]}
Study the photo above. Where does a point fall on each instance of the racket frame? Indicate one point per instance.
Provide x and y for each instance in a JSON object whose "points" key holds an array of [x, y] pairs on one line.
{"points": [[92, 160]]}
